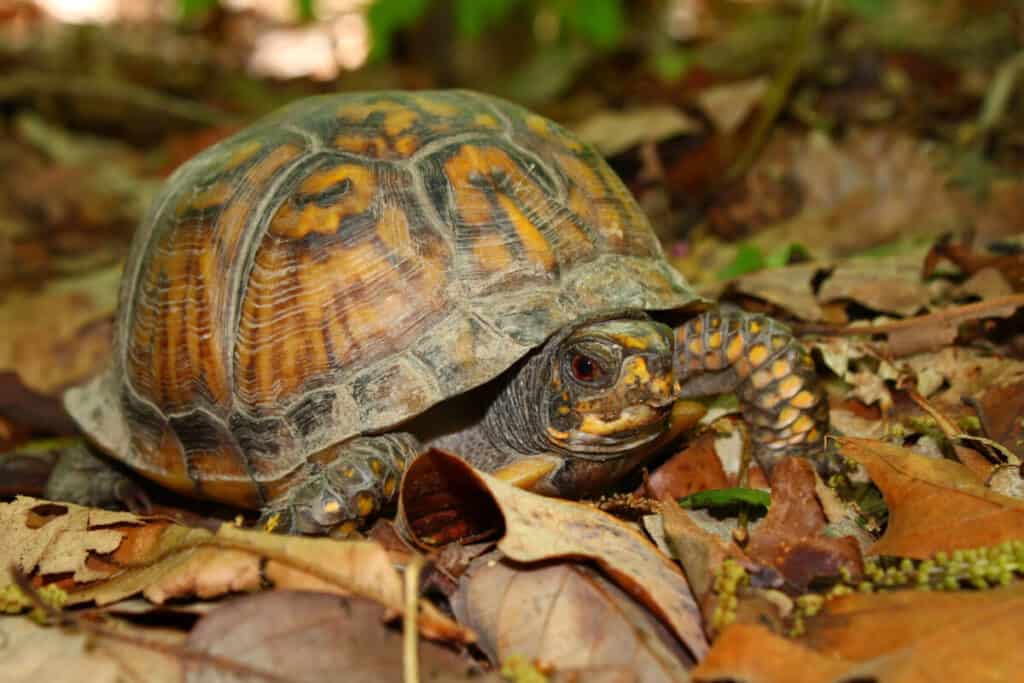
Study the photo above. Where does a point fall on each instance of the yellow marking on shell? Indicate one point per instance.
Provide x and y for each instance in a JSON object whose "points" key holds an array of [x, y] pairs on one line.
{"points": [[805, 399], [492, 253], [714, 340], [365, 504], [761, 379], [786, 416], [804, 423], [241, 154], [390, 484], [538, 124], [758, 354], [486, 120], [781, 368], [696, 346], [713, 360], [813, 436], [398, 121], [331, 507], [734, 349], [359, 111], [536, 246], [407, 145], [435, 106], [797, 439], [778, 341], [215, 195], [295, 223], [790, 386]]}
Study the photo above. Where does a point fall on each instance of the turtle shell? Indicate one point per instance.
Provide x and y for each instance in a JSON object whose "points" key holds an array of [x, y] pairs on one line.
{"points": [[344, 264]]}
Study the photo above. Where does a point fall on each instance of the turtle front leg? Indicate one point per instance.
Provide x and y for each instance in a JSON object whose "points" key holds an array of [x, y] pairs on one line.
{"points": [[343, 486], [84, 477], [772, 374]]}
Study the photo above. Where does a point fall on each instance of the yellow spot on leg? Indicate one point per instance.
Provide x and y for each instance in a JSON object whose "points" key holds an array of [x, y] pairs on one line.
{"points": [[805, 399], [781, 368], [734, 349], [365, 504], [758, 354]]}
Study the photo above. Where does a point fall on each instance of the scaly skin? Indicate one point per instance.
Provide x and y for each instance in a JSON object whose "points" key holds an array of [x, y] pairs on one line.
{"points": [[593, 399]]}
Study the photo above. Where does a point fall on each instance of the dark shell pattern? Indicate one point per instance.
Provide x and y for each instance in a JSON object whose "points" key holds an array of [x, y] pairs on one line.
{"points": [[346, 263]]}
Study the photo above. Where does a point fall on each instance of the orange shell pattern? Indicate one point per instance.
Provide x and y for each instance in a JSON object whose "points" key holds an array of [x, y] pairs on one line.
{"points": [[346, 263]]}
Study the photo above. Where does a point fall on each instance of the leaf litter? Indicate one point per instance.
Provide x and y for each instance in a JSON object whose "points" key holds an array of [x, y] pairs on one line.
{"points": [[881, 219]]}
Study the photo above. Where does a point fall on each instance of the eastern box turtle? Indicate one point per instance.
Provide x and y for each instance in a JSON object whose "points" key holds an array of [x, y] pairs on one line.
{"points": [[356, 277]]}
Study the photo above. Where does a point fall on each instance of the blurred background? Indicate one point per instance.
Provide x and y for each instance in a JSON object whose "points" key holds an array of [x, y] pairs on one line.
{"points": [[755, 133]]}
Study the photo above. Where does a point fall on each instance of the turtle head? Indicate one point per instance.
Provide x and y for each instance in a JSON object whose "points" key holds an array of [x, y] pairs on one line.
{"points": [[610, 387]]}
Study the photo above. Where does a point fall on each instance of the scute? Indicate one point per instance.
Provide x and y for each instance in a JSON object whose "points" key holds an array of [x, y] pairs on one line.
{"points": [[346, 263]]}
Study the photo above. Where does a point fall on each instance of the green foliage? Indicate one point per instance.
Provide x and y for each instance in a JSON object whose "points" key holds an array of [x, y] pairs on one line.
{"points": [[386, 17], [869, 8], [600, 22], [727, 498], [305, 9], [750, 258], [193, 9], [473, 17]]}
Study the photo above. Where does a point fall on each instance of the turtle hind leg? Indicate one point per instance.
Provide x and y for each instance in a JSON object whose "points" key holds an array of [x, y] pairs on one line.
{"points": [[84, 477], [773, 376], [342, 487]]}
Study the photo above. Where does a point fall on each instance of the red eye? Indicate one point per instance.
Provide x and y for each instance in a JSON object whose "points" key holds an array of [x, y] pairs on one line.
{"points": [[585, 368]]}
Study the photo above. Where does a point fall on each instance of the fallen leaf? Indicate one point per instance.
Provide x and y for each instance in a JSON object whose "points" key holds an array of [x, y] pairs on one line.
{"points": [[792, 538], [697, 468], [68, 344], [613, 132], [934, 505], [749, 653], [538, 528], [917, 636], [56, 538], [729, 105], [566, 618], [303, 636]]}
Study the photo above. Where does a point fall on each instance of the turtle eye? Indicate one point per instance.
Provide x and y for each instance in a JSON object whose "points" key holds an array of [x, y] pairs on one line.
{"points": [[585, 368]]}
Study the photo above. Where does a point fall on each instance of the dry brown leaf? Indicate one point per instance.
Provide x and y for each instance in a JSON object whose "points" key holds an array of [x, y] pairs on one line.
{"points": [[890, 285], [917, 637], [792, 538], [697, 468], [750, 653], [790, 288], [538, 528], [567, 618], [613, 132], [934, 505], [729, 105], [303, 636], [68, 344], [56, 538]]}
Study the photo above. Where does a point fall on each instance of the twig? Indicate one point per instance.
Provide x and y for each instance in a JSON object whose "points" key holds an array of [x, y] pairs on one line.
{"points": [[993, 109], [65, 619], [410, 622], [775, 97], [32, 83]]}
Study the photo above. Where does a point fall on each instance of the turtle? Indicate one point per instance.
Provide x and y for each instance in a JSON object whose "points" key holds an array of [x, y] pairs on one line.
{"points": [[358, 277]]}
